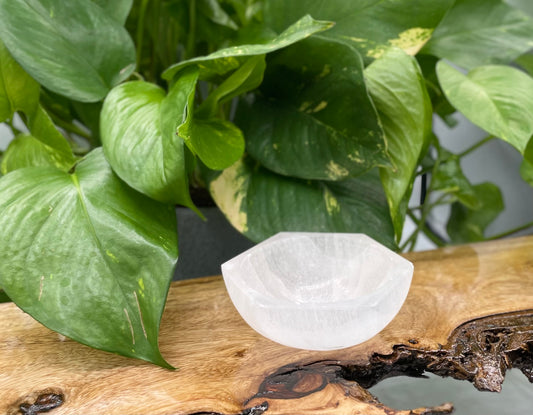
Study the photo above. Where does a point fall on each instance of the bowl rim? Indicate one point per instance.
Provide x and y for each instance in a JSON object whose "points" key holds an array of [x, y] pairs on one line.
{"points": [[266, 300]]}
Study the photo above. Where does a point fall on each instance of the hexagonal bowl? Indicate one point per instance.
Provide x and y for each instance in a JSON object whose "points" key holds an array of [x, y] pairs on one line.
{"points": [[318, 291]]}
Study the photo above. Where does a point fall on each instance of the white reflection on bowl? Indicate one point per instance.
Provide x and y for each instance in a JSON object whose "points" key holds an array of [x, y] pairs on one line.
{"points": [[318, 291]]}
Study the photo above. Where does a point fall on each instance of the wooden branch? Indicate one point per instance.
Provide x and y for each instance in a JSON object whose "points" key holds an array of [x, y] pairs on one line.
{"points": [[469, 314]]}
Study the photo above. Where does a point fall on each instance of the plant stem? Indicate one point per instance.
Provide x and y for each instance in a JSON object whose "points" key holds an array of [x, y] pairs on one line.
{"points": [[510, 232], [423, 188], [441, 201], [140, 32], [421, 224], [423, 171], [413, 236], [72, 128], [476, 146], [191, 38], [429, 232], [156, 7], [137, 75], [426, 207]]}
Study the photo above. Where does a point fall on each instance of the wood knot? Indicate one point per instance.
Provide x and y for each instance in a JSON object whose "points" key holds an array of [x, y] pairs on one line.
{"points": [[292, 383], [43, 401], [240, 353]]}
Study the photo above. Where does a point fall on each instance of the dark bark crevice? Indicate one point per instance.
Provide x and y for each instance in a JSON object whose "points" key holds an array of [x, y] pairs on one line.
{"points": [[480, 351]]}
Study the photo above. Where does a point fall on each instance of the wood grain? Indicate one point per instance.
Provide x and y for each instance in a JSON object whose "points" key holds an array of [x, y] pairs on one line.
{"points": [[469, 314]]}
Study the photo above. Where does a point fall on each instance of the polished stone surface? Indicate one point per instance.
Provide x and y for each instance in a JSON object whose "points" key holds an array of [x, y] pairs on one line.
{"points": [[318, 291]]}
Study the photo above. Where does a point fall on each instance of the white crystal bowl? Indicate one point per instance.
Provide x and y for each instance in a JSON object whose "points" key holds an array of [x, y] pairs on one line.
{"points": [[318, 291]]}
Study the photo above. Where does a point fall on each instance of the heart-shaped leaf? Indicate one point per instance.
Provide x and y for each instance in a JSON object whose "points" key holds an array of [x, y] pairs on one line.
{"points": [[226, 60], [372, 26], [138, 127], [88, 256], [399, 92], [481, 32], [260, 203], [498, 99], [314, 119], [71, 47]]}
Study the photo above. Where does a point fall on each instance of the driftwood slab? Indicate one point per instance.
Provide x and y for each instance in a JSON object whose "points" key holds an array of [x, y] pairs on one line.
{"points": [[469, 314]]}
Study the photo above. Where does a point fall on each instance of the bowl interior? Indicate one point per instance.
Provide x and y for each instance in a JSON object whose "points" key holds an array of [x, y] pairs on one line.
{"points": [[311, 268]]}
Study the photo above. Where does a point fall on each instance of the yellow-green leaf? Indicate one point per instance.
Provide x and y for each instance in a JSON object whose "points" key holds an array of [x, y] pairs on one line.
{"points": [[398, 90], [499, 99]]}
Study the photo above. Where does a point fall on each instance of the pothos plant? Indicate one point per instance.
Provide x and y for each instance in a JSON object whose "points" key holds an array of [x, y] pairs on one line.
{"points": [[294, 115]]}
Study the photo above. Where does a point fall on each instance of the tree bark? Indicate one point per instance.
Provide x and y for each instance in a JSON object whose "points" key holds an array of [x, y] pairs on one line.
{"points": [[469, 315]]}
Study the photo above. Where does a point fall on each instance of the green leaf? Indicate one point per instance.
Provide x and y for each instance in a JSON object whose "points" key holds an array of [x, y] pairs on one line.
{"points": [[57, 106], [213, 27], [246, 10], [18, 90], [498, 99], [314, 119], [526, 168], [399, 92], [117, 9], [71, 47], [43, 129], [260, 203], [372, 26], [481, 32], [89, 115], [3, 297], [526, 171], [526, 62], [450, 179], [525, 5], [248, 77], [254, 33], [439, 102], [26, 151], [87, 256], [468, 225], [166, 25], [139, 135], [218, 143], [214, 12], [226, 60]]}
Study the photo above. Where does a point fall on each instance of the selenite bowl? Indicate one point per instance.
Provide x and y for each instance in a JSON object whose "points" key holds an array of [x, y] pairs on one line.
{"points": [[318, 291]]}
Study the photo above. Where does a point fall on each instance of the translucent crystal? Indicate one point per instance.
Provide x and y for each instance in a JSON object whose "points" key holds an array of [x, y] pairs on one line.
{"points": [[318, 291]]}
